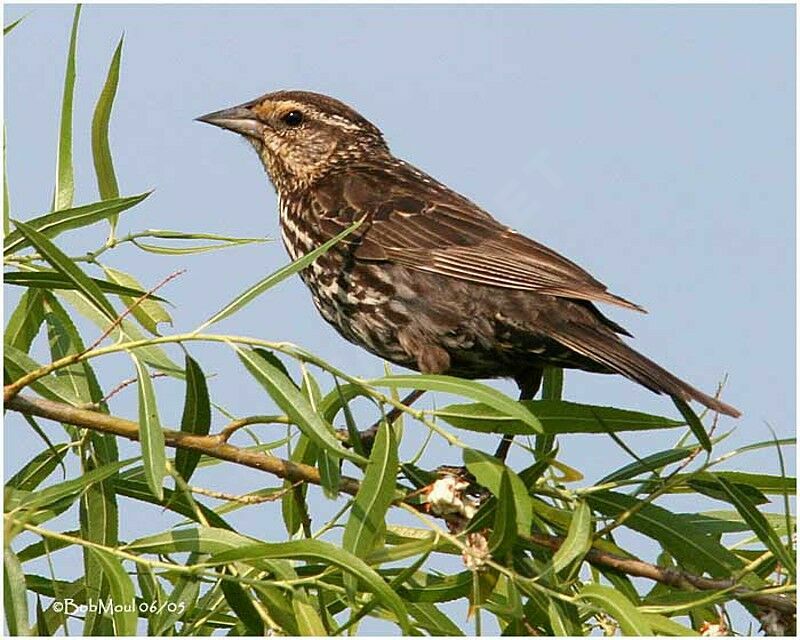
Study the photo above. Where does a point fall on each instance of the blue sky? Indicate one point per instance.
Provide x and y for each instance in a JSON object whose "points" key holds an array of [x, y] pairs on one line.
{"points": [[652, 145]]}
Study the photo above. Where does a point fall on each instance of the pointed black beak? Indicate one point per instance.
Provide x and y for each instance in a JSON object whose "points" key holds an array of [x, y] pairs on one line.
{"points": [[239, 119]]}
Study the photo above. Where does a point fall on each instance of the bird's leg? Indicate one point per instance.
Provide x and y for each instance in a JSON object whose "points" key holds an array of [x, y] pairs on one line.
{"points": [[528, 383]]}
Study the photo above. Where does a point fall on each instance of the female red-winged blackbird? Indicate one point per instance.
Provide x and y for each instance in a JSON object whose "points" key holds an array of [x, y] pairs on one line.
{"points": [[429, 280]]}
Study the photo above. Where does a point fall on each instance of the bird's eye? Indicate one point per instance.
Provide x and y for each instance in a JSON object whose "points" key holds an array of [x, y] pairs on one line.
{"points": [[293, 118]]}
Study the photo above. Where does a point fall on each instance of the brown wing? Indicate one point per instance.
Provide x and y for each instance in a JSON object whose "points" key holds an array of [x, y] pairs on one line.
{"points": [[418, 222]]}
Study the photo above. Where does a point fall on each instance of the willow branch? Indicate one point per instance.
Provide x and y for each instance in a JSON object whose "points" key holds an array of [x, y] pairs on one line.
{"points": [[216, 447]]}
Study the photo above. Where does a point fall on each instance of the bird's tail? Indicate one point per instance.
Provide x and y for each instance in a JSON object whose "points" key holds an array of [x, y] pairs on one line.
{"points": [[612, 352]]}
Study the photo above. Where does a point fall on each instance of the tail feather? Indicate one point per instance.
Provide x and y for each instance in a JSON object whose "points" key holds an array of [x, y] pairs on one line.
{"points": [[609, 350]]}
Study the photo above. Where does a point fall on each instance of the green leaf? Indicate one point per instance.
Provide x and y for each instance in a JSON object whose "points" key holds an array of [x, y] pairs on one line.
{"points": [[61, 263], [17, 364], [196, 417], [122, 593], [686, 543], [24, 323], [37, 470], [190, 540], [181, 601], [271, 280], [9, 28], [65, 186], [578, 540], [436, 588], [287, 396], [468, 388], [308, 621], [70, 488], [15, 601], [759, 524], [631, 621], [365, 528], [554, 416], [318, 551], [148, 312], [663, 626], [488, 471], [694, 423], [101, 150], [649, 464], [432, 620], [293, 503], [504, 531], [6, 194], [47, 279], [241, 604], [54, 224], [152, 437]]}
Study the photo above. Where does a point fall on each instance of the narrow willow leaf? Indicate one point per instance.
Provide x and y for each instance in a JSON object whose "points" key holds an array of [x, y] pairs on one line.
{"points": [[6, 194], [17, 364], [9, 28], [71, 488], [271, 280], [663, 626], [181, 601], [429, 618], [308, 621], [190, 540], [64, 340], [15, 601], [152, 437], [66, 267], [318, 551], [101, 150], [504, 531], [554, 417], [47, 279], [694, 423], [578, 540], [686, 543], [65, 184], [37, 470], [54, 224], [42, 628], [436, 588], [488, 471], [196, 417], [467, 388], [187, 251], [148, 312], [631, 621], [122, 593], [365, 528], [287, 396], [293, 503], [648, 464], [552, 389], [24, 323], [241, 604], [759, 524]]}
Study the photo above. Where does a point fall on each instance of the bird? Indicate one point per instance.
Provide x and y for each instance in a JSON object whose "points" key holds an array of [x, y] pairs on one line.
{"points": [[429, 280]]}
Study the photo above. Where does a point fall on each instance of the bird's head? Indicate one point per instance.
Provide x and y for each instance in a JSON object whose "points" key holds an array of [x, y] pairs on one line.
{"points": [[301, 136]]}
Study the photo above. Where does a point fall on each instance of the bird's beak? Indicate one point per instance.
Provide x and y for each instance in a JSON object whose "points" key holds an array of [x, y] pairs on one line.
{"points": [[239, 119]]}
